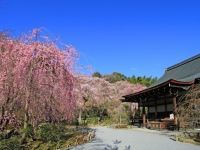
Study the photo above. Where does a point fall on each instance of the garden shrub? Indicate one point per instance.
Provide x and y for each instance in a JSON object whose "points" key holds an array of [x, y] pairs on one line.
{"points": [[107, 121], [120, 126], [29, 131], [92, 121], [50, 132], [1, 136], [12, 143]]}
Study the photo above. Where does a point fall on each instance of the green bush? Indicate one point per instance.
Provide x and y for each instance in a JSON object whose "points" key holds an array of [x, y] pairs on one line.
{"points": [[50, 132], [106, 121], [92, 121], [10, 144], [29, 131], [121, 126], [103, 121], [1, 136]]}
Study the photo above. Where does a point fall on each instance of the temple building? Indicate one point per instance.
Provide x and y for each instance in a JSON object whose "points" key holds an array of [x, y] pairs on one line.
{"points": [[159, 101]]}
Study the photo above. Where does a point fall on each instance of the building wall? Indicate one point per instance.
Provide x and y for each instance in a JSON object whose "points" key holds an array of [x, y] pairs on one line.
{"points": [[162, 110]]}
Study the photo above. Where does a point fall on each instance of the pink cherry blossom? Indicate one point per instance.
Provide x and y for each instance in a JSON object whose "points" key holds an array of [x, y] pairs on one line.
{"points": [[36, 77]]}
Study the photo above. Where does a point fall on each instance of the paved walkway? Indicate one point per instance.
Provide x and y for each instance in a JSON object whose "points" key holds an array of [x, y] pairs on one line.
{"points": [[130, 139]]}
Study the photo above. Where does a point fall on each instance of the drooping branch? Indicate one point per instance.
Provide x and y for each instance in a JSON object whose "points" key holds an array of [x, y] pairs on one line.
{"points": [[36, 77]]}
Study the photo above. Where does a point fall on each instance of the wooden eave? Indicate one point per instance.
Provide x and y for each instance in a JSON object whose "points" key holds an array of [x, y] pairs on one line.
{"points": [[155, 90]]}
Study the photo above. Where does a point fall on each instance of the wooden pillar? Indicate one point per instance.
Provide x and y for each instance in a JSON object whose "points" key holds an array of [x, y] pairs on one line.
{"points": [[139, 105], [156, 111], [144, 116], [175, 110], [166, 107], [148, 109]]}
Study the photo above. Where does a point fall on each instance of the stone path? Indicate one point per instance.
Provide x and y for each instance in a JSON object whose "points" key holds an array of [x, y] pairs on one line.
{"points": [[130, 139]]}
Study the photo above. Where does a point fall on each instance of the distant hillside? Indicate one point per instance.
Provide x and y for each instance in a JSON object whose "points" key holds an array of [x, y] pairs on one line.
{"points": [[115, 77], [101, 89], [98, 97]]}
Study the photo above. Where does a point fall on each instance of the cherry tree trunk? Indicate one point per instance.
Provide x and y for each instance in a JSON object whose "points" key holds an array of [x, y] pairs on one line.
{"points": [[80, 116], [26, 119], [2, 111]]}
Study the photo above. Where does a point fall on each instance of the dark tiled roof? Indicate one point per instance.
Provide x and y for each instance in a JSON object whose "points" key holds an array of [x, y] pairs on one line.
{"points": [[185, 71]]}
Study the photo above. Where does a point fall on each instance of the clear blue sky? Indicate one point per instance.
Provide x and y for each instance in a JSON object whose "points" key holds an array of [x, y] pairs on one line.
{"points": [[134, 37]]}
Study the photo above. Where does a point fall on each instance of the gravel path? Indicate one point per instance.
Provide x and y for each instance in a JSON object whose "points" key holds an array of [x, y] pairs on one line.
{"points": [[130, 139]]}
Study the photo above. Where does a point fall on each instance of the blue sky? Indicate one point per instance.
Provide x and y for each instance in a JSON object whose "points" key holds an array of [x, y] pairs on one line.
{"points": [[134, 37]]}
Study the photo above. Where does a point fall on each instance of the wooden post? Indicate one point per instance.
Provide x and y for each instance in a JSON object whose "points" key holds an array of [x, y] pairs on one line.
{"points": [[175, 110], [156, 113], [148, 110], [139, 104], [166, 107], [144, 116]]}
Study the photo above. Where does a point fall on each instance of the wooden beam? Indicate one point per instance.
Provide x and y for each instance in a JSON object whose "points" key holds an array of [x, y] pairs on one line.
{"points": [[148, 109], [175, 110], [156, 111], [144, 116], [166, 106], [139, 105]]}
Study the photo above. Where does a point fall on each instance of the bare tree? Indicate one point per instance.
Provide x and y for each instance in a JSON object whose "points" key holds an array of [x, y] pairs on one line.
{"points": [[189, 108]]}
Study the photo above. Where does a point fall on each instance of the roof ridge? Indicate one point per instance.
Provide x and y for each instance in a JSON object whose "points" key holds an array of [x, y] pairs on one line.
{"points": [[183, 62]]}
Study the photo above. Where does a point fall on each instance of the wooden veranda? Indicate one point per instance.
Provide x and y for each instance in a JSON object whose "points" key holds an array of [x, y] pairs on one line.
{"points": [[159, 102]]}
